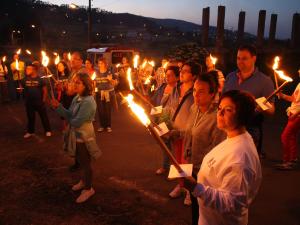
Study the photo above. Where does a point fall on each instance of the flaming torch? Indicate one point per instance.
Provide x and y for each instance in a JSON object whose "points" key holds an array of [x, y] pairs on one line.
{"points": [[213, 60], [69, 56], [165, 65], [142, 116], [136, 61], [56, 61], [286, 79], [18, 73], [19, 51], [132, 89], [275, 67], [45, 62], [93, 77], [28, 52]]}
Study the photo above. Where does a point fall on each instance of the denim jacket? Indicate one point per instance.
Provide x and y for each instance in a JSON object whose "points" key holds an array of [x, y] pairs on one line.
{"points": [[80, 116]]}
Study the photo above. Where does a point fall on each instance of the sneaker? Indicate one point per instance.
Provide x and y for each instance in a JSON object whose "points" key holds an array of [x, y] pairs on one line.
{"points": [[160, 171], [28, 135], [85, 195], [285, 166], [48, 134], [78, 186], [176, 192], [101, 129], [109, 129], [187, 200]]}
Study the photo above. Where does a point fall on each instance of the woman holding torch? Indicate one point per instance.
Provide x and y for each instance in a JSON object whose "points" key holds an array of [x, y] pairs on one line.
{"points": [[290, 133], [230, 174], [79, 138]]}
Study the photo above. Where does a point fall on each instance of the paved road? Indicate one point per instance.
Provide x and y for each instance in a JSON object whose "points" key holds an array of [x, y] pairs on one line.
{"points": [[35, 183]]}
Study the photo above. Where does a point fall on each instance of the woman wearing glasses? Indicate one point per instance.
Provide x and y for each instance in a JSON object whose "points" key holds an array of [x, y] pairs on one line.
{"points": [[230, 174]]}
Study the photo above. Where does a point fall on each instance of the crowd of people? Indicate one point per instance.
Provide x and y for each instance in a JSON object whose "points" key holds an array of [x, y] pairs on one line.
{"points": [[214, 122]]}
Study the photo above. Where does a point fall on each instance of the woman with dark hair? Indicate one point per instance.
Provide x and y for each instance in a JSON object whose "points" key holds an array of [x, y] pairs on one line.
{"points": [[63, 75], [161, 97], [79, 137], [89, 65], [230, 174], [202, 133]]}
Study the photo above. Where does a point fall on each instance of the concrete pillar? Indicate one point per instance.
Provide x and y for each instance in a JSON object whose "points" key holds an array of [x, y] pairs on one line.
{"points": [[272, 33], [261, 28], [295, 38], [241, 27], [205, 26], [220, 26]]}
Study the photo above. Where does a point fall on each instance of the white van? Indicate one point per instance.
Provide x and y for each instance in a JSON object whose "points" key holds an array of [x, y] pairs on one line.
{"points": [[113, 55]]}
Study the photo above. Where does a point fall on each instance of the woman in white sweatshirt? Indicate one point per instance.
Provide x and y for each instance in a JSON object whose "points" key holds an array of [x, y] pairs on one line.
{"points": [[230, 174]]}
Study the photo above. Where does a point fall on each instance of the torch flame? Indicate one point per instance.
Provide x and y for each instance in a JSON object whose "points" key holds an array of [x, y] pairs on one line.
{"points": [[152, 63], [138, 110], [19, 51], [276, 62], [129, 79], [17, 64], [147, 81], [283, 76], [165, 65], [3, 58], [57, 59], [213, 59], [45, 59], [144, 64], [118, 65], [55, 53], [93, 77], [28, 52], [69, 55], [136, 61]]}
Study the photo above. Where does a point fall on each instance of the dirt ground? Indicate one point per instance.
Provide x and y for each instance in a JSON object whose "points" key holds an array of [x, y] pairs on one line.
{"points": [[35, 184]]}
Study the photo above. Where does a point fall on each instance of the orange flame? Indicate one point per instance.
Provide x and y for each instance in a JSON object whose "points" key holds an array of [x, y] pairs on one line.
{"points": [[165, 65], [93, 77], [19, 51], [129, 79], [28, 52], [144, 64], [152, 63], [45, 59], [17, 64], [57, 59], [136, 61], [138, 110], [147, 81], [69, 55], [3, 58], [283, 76], [213, 59], [276, 63]]}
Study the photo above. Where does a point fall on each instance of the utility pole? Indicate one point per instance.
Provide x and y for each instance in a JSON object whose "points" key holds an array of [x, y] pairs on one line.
{"points": [[89, 23]]}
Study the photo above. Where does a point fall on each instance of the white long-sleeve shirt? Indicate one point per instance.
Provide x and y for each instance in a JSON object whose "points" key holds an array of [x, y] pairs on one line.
{"points": [[228, 181]]}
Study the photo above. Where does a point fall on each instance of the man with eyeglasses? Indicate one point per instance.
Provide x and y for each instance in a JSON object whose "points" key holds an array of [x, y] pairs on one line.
{"points": [[248, 78]]}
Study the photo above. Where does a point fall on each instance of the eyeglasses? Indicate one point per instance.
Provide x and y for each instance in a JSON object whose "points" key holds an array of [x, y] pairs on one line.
{"points": [[225, 110]]}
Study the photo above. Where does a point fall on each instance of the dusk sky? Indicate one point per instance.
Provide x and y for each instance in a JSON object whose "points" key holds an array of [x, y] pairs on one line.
{"points": [[191, 10]]}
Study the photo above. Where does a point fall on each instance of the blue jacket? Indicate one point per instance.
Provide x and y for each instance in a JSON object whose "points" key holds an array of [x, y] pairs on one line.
{"points": [[80, 116]]}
